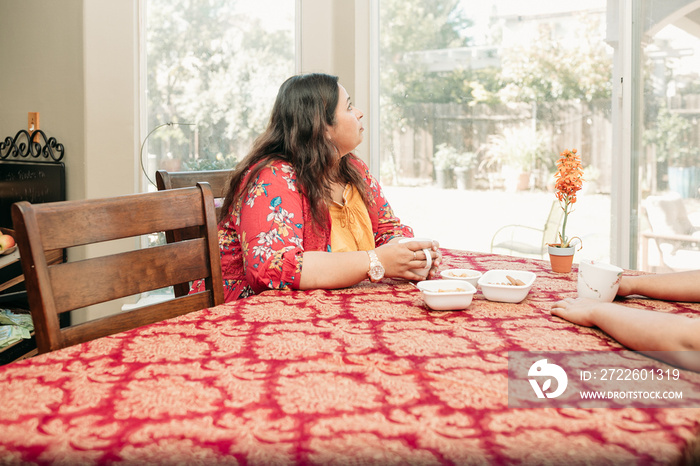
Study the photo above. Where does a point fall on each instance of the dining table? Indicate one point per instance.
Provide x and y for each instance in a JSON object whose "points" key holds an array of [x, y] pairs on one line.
{"points": [[361, 375]]}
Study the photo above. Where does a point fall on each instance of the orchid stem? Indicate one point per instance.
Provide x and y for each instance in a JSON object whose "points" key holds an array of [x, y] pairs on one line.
{"points": [[563, 226]]}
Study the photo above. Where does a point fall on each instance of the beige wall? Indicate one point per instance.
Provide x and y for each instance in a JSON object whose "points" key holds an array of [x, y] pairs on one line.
{"points": [[110, 54], [41, 51], [110, 57], [335, 39], [74, 62]]}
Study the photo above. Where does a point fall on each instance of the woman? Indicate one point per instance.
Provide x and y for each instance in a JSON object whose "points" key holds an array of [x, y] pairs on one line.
{"points": [[302, 211], [642, 330]]}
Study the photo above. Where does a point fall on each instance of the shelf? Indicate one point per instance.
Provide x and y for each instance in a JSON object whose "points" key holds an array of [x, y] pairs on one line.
{"points": [[11, 258]]}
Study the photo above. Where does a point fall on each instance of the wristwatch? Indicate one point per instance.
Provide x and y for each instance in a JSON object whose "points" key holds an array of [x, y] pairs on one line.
{"points": [[376, 269]]}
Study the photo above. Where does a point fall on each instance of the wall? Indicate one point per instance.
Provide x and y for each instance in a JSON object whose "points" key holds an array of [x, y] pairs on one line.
{"points": [[111, 97], [335, 40], [74, 62], [41, 49], [110, 54]]}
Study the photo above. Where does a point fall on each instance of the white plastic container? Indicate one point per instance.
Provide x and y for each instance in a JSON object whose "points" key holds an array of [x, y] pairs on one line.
{"points": [[468, 275], [447, 295], [495, 285]]}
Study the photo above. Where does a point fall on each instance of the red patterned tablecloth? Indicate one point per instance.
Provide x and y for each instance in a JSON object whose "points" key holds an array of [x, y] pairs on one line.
{"points": [[361, 375]]}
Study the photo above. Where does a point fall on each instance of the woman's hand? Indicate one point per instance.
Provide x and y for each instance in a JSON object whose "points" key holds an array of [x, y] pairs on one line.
{"points": [[673, 286], [576, 310], [626, 286], [399, 259], [674, 338]]}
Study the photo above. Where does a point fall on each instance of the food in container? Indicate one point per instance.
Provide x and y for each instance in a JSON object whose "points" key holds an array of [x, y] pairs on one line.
{"points": [[446, 295], [470, 275], [507, 286]]}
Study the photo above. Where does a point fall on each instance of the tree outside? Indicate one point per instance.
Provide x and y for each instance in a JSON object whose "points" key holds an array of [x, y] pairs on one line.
{"points": [[213, 68], [444, 83]]}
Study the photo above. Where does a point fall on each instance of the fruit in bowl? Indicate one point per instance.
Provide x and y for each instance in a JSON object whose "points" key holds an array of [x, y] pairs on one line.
{"points": [[446, 295], [7, 242]]}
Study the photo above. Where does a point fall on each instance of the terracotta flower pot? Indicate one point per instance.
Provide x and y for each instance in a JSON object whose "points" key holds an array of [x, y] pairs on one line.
{"points": [[561, 258]]}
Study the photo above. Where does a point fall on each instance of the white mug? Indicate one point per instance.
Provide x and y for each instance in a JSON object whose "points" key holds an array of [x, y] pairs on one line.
{"points": [[422, 272], [598, 280]]}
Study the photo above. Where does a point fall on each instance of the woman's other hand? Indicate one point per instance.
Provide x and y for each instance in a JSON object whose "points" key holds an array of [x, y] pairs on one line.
{"points": [[626, 287], [576, 310]]}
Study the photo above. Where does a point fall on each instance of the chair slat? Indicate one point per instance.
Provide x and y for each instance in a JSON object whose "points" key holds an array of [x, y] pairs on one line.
{"points": [[98, 220], [126, 274]]}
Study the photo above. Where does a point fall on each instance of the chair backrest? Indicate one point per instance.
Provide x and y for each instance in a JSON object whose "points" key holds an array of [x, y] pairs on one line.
{"points": [[667, 215], [58, 288], [217, 179], [550, 232]]}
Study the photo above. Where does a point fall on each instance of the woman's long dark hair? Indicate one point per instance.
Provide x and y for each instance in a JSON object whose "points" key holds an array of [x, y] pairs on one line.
{"points": [[304, 108]]}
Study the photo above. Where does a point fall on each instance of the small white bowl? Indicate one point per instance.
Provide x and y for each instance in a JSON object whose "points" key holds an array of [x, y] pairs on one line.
{"points": [[447, 295], [468, 275], [496, 287]]}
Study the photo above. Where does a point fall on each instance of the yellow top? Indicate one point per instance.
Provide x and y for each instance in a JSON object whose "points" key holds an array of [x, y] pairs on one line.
{"points": [[351, 227]]}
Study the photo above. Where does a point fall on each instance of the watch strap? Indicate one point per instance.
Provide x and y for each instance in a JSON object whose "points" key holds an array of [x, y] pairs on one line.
{"points": [[376, 269]]}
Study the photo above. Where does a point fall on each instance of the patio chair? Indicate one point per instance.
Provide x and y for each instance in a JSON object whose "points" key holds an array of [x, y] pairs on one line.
{"points": [[526, 240], [676, 239], [57, 288], [217, 179]]}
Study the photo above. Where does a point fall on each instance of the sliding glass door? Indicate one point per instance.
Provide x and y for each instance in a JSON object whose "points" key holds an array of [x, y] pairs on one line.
{"points": [[478, 99], [669, 156]]}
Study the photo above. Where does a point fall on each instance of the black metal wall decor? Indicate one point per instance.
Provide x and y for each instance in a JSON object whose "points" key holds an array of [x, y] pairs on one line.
{"points": [[25, 146]]}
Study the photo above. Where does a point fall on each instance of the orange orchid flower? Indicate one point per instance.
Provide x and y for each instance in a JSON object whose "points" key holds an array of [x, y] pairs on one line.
{"points": [[569, 180]]}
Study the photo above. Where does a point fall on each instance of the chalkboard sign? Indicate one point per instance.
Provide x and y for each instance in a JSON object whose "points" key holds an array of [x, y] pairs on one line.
{"points": [[35, 182]]}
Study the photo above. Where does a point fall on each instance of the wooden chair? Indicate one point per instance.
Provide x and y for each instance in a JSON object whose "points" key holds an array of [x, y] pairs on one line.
{"points": [[527, 240], [58, 288], [217, 179]]}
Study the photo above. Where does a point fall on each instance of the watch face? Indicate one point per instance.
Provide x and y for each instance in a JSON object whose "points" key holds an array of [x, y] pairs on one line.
{"points": [[376, 272]]}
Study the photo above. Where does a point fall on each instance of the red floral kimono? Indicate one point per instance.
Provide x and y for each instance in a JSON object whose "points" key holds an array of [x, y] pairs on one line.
{"points": [[265, 234]]}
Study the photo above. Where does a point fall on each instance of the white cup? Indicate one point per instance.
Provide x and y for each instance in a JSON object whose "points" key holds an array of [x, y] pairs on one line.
{"points": [[422, 272], [598, 280]]}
